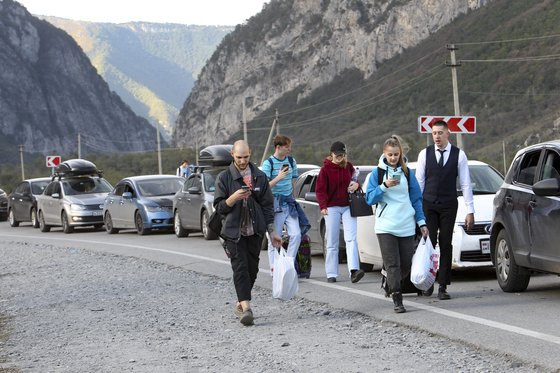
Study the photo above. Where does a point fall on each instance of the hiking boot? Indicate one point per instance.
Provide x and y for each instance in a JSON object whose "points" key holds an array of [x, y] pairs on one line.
{"points": [[443, 294], [247, 318], [238, 310], [397, 301], [356, 275], [331, 279]]}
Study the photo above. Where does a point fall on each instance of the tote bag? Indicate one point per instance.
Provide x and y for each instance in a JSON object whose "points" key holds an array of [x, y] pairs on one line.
{"points": [[358, 204]]}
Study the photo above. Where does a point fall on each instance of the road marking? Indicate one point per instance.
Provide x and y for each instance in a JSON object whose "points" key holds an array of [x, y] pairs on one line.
{"points": [[474, 319]]}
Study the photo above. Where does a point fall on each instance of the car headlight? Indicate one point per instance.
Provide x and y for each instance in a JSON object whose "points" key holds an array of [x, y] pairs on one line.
{"points": [[3, 194], [77, 207], [155, 208]]}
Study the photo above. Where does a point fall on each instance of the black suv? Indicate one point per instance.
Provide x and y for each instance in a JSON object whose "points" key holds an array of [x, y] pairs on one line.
{"points": [[524, 236]]}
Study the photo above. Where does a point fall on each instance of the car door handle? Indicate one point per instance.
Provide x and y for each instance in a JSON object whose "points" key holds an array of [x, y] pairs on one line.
{"points": [[532, 204]]}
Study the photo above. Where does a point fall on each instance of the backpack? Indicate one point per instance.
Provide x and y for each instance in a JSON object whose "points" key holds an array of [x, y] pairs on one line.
{"points": [[290, 159]]}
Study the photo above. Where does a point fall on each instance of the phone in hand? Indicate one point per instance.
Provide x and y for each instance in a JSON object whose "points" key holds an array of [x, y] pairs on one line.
{"points": [[245, 188], [285, 167], [397, 177]]}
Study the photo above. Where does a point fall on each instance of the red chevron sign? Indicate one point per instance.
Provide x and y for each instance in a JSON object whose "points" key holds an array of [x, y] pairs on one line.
{"points": [[53, 160], [456, 124]]}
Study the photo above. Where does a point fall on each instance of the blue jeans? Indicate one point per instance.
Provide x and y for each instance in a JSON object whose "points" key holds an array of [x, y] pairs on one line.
{"points": [[294, 232], [349, 223]]}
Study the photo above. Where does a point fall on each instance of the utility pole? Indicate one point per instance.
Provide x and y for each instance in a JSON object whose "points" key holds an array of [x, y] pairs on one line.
{"points": [[158, 148], [504, 155], [277, 120], [274, 124], [79, 146], [451, 48], [21, 161], [244, 120]]}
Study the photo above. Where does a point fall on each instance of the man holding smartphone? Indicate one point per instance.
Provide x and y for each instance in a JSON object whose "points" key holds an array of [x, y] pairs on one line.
{"points": [[281, 170]]}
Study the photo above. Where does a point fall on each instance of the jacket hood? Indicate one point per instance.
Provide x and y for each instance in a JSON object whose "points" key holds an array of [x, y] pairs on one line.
{"points": [[330, 164], [383, 164]]}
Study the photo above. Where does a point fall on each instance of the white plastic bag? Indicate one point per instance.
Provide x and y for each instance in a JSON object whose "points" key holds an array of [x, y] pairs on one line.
{"points": [[284, 278], [425, 264]]}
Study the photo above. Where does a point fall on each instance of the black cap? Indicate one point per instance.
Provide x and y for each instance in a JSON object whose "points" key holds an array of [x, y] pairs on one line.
{"points": [[338, 148]]}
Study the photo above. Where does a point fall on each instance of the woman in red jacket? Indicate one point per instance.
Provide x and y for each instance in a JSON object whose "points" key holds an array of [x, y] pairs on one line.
{"points": [[334, 182]]}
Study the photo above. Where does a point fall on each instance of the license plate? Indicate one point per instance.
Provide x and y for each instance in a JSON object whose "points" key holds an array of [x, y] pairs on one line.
{"points": [[485, 246], [97, 213]]}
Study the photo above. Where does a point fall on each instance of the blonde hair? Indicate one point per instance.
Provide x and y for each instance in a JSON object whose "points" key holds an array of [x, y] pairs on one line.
{"points": [[397, 142]]}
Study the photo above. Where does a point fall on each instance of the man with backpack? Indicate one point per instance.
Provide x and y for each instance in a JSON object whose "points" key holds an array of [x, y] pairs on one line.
{"points": [[281, 170]]}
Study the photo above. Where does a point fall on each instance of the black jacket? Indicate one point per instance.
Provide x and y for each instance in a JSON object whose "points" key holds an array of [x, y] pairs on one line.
{"points": [[260, 203]]}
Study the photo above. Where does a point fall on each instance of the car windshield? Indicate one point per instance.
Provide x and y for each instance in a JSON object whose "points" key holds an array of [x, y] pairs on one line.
{"points": [[86, 185], [484, 180], [37, 187], [159, 187], [210, 179]]}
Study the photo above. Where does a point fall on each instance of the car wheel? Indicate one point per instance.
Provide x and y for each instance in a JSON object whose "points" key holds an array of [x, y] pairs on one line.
{"points": [[42, 225], [66, 227], [34, 219], [12, 219], [207, 233], [178, 227], [109, 224], [511, 277], [139, 222]]}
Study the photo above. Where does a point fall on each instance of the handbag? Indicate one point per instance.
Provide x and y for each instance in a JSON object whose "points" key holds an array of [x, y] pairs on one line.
{"points": [[425, 264], [284, 278], [358, 204], [214, 223]]}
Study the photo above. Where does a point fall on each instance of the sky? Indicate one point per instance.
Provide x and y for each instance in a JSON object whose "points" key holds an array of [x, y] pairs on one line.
{"points": [[192, 12]]}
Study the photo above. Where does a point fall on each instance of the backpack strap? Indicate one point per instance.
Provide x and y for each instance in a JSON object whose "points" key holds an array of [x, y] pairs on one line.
{"points": [[290, 160], [381, 174]]}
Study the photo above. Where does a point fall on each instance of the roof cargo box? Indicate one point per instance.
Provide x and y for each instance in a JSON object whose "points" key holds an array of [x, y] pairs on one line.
{"points": [[75, 167], [215, 155]]}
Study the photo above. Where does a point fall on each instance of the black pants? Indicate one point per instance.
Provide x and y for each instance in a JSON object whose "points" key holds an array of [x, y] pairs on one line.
{"points": [[397, 255], [245, 264], [440, 217]]}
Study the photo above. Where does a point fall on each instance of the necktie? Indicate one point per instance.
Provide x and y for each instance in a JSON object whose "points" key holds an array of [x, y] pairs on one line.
{"points": [[440, 163]]}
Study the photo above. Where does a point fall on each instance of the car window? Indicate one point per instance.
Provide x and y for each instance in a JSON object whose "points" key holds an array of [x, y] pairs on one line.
{"points": [[193, 181], [551, 166], [209, 182], [50, 189], [484, 179], [85, 185], [528, 168], [119, 190], [159, 187], [22, 188], [37, 187], [306, 187]]}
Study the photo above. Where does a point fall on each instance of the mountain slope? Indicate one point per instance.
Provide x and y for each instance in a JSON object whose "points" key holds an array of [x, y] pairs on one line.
{"points": [[295, 47], [50, 93], [151, 66]]}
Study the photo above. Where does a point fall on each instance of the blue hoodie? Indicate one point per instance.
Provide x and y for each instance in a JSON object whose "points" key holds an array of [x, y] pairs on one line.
{"points": [[397, 209]]}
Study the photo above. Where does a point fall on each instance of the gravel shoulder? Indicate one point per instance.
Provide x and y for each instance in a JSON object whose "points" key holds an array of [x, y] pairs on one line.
{"points": [[71, 310]]}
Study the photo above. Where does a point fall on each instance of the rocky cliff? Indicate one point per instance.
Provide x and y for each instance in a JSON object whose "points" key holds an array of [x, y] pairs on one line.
{"points": [[50, 93], [297, 46]]}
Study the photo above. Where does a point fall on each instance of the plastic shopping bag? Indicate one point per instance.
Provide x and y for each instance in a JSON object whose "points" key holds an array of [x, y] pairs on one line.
{"points": [[425, 264], [284, 278]]}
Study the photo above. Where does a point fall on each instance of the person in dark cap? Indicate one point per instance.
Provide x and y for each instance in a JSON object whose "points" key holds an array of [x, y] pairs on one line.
{"points": [[336, 179]]}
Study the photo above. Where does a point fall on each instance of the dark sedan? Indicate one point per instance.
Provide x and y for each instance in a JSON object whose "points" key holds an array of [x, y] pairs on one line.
{"points": [[22, 204], [3, 205], [524, 236]]}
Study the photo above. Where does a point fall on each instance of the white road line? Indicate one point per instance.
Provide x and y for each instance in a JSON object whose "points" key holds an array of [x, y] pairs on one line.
{"points": [[456, 315]]}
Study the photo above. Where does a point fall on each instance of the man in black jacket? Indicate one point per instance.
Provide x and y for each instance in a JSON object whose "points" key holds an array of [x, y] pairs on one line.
{"points": [[244, 199]]}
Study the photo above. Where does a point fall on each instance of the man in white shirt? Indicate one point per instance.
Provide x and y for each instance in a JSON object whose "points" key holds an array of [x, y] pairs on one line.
{"points": [[439, 165]]}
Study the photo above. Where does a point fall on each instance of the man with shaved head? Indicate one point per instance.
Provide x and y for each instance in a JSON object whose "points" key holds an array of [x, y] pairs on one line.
{"points": [[244, 199]]}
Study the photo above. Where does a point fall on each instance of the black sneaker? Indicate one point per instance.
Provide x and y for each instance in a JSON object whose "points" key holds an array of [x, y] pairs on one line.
{"points": [[331, 279], [356, 275], [429, 292]]}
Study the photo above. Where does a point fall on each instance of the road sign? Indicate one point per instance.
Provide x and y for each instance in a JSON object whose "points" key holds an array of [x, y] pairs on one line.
{"points": [[456, 124], [53, 160]]}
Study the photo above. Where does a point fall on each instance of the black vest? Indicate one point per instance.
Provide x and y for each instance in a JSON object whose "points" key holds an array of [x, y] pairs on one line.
{"points": [[440, 183]]}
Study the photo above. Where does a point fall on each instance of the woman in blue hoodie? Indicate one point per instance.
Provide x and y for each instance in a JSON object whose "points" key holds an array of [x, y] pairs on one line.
{"points": [[399, 210]]}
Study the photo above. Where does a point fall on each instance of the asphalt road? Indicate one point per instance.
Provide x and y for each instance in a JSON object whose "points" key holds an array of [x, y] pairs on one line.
{"points": [[524, 325]]}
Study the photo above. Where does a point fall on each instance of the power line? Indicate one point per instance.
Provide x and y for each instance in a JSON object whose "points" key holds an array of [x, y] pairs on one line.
{"points": [[519, 59], [510, 40]]}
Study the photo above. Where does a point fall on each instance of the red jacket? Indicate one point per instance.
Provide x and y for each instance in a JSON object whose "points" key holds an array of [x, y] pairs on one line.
{"points": [[332, 184]]}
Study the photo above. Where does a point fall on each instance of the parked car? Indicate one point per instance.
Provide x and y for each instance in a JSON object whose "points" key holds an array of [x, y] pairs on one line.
{"points": [[22, 204], [192, 204], [470, 248], [3, 205], [74, 197], [305, 195], [143, 203], [524, 236]]}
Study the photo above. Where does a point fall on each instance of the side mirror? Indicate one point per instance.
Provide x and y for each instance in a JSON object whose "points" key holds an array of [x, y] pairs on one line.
{"points": [[127, 195], [194, 190], [55, 195], [311, 196], [547, 187]]}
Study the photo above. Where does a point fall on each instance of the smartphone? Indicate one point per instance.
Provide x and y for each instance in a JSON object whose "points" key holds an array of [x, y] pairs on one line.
{"points": [[397, 177], [285, 167], [245, 187]]}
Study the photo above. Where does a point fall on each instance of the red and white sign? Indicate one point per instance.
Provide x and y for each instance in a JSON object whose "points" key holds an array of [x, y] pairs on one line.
{"points": [[455, 124], [53, 160]]}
